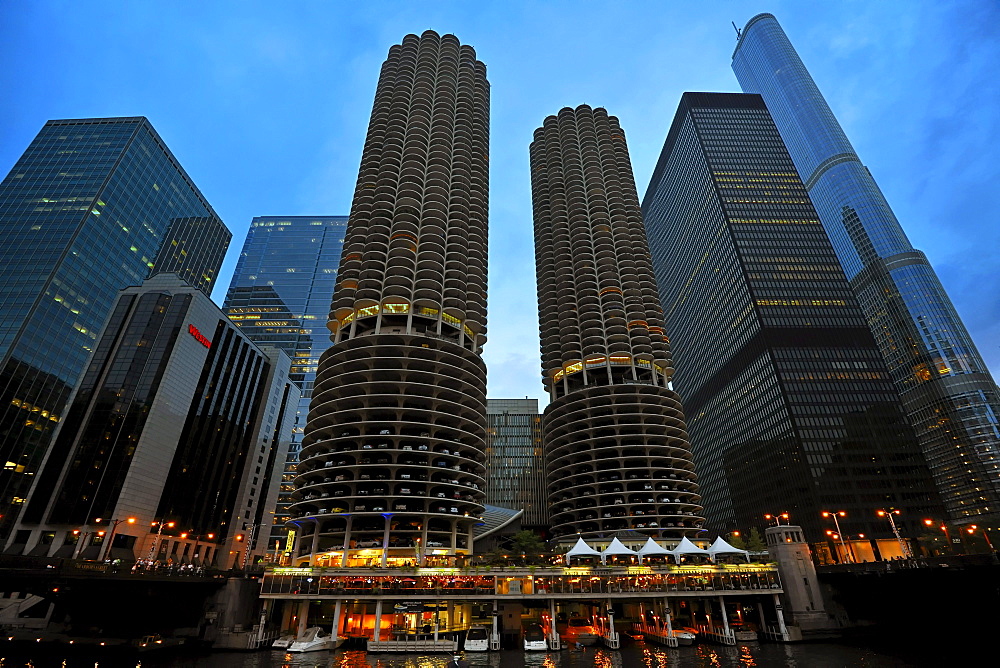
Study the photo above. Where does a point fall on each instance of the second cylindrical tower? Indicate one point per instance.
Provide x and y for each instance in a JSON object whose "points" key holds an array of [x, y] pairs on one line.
{"points": [[617, 453]]}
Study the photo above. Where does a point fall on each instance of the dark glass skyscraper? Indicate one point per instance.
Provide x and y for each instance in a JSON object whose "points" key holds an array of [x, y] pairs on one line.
{"points": [[790, 407], [86, 211], [947, 391], [280, 296], [616, 451], [515, 467]]}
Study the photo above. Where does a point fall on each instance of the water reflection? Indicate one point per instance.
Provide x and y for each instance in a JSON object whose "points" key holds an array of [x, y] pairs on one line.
{"points": [[638, 655]]}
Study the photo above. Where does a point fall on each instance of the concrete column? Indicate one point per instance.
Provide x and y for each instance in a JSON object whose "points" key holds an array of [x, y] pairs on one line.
{"points": [[315, 543], [454, 537], [385, 540], [377, 632], [760, 614], [781, 615], [335, 628], [347, 541], [666, 617], [286, 615], [437, 618], [422, 548], [303, 619], [725, 617]]}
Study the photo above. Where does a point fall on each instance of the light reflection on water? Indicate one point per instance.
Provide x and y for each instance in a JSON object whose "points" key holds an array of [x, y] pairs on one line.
{"points": [[638, 655]]}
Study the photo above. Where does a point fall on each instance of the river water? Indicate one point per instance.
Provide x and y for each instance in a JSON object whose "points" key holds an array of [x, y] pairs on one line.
{"points": [[638, 655]]}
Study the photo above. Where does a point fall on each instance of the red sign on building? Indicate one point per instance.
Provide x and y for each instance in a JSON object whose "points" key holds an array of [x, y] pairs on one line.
{"points": [[202, 339]]}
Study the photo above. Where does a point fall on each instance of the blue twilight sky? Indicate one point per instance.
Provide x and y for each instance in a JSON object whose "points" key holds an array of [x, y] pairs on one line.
{"points": [[266, 105]]}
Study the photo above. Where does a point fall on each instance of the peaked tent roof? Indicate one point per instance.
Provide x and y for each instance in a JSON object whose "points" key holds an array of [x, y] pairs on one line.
{"points": [[616, 548], [687, 547], [581, 549], [722, 547], [651, 547]]}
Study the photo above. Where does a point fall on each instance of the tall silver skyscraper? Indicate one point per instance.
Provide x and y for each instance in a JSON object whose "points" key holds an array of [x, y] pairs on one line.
{"points": [[616, 447], [394, 450], [948, 393]]}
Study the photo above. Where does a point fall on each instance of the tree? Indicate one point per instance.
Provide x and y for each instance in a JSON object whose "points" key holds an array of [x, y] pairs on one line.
{"points": [[736, 540], [527, 543], [755, 543]]}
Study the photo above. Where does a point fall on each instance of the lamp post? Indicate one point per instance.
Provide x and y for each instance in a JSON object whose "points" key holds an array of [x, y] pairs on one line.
{"points": [[111, 535], [972, 531], [159, 524], [904, 547], [777, 517], [947, 536], [835, 514]]}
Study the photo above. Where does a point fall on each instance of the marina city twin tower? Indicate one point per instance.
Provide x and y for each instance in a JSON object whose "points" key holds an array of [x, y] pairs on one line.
{"points": [[392, 467]]}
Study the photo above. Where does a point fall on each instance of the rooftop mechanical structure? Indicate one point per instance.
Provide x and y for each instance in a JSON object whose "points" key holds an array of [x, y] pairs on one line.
{"points": [[616, 447], [392, 461]]}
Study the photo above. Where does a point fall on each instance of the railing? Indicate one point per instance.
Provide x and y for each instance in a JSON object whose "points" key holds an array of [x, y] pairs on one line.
{"points": [[718, 634], [518, 582]]}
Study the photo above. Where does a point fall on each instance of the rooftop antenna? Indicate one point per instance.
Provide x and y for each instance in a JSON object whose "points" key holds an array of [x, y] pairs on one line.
{"points": [[738, 35]]}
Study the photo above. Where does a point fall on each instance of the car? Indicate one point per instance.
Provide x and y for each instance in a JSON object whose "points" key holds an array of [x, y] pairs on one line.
{"points": [[378, 509], [453, 509], [384, 432], [404, 476], [338, 509], [405, 490], [359, 507], [422, 446], [407, 447], [367, 446]]}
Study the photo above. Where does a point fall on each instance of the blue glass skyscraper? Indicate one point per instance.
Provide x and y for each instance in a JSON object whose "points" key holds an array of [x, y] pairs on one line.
{"points": [[90, 208], [280, 296], [949, 395]]}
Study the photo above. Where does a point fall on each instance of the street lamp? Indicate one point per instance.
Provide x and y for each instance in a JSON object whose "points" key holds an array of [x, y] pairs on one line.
{"points": [[944, 528], [972, 530], [903, 545], [777, 517], [835, 515], [159, 524], [111, 536]]}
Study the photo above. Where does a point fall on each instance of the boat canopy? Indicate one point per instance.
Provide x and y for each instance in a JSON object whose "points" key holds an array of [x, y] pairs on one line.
{"points": [[722, 547], [581, 549]]}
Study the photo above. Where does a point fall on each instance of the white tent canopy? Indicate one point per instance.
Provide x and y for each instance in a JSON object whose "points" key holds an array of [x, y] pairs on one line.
{"points": [[581, 549], [722, 547], [615, 549], [651, 547], [687, 547]]}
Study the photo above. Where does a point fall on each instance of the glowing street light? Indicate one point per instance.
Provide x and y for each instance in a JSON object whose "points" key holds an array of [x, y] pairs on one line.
{"points": [[840, 534], [972, 531], [944, 528], [903, 545], [159, 530], [111, 536], [777, 517]]}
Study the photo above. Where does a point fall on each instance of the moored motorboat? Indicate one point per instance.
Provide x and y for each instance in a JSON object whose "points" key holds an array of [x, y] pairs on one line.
{"points": [[313, 639], [578, 630], [534, 638], [477, 639]]}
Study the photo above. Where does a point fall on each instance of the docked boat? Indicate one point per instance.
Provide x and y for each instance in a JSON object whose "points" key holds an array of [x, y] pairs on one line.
{"points": [[283, 642], [684, 636], [578, 630], [534, 638], [314, 639], [477, 639]]}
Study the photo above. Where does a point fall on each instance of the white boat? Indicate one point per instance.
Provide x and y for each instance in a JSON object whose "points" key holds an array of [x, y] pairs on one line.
{"points": [[283, 642], [477, 639], [534, 639], [684, 637], [314, 639]]}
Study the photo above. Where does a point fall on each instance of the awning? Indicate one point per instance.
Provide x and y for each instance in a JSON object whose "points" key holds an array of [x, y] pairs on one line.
{"points": [[722, 547], [616, 549], [650, 548], [581, 549], [687, 547]]}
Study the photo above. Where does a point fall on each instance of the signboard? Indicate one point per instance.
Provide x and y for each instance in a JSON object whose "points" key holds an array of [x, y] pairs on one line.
{"points": [[290, 541], [199, 337]]}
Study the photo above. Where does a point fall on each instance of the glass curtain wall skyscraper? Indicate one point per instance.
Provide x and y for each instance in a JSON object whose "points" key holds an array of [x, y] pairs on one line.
{"points": [[790, 405], [394, 450], [948, 392], [515, 467], [280, 296], [616, 448], [86, 211]]}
